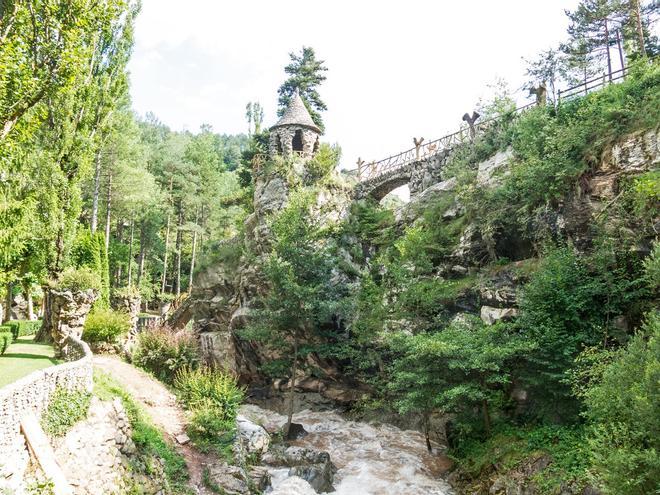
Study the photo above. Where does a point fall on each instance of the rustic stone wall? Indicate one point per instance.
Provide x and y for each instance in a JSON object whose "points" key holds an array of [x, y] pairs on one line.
{"points": [[97, 454], [281, 141], [32, 394]]}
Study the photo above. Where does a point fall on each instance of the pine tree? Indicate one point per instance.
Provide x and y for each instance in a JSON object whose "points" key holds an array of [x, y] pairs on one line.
{"points": [[306, 75]]}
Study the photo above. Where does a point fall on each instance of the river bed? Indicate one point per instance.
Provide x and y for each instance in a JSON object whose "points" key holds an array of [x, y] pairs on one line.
{"points": [[371, 459]]}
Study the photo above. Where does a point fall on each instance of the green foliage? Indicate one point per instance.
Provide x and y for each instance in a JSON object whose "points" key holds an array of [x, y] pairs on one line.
{"points": [[208, 387], [652, 269], [89, 251], [213, 397], [6, 338], [80, 279], [512, 448], [22, 328], [65, 409], [463, 366], [106, 325], [149, 440], [324, 162], [41, 488], [569, 303], [622, 406], [163, 352], [552, 148], [305, 76]]}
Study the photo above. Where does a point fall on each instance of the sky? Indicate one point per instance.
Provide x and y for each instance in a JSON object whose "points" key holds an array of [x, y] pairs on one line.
{"points": [[397, 70]]}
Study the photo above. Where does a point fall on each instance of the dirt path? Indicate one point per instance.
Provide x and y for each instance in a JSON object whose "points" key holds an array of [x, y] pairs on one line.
{"points": [[163, 409]]}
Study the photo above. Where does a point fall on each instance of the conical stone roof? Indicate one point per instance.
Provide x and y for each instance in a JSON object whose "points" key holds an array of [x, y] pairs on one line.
{"points": [[297, 114]]}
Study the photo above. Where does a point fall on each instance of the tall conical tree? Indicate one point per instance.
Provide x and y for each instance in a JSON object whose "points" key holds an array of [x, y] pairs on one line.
{"points": [[306, 74]]}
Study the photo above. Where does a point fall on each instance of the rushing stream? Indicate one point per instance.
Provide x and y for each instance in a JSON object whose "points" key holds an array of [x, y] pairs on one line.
{"points": [[371, 460]]}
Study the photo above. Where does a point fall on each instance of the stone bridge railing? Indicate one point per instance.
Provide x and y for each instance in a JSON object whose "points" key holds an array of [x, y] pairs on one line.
{"points": [[371, 172], [32, 394]]}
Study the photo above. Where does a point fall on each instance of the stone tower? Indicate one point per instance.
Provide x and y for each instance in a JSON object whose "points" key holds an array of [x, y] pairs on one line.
{"points": [[295, 132]]}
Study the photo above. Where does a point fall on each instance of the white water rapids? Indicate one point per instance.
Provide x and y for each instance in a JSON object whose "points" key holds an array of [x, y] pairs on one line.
{"points": [[371, 460]]}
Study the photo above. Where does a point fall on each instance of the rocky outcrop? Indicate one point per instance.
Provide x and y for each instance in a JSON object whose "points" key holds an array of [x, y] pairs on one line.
{"points": [[313, 466], [489, 171], [490, 315], [254, 438], [65, 315]]}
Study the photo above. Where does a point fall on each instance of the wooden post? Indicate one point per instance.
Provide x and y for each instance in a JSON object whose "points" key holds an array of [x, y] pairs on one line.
{"points": [[360, 164]]}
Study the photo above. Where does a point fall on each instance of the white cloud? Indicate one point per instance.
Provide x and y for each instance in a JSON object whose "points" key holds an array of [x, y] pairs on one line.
{"points": [[396, 69]]}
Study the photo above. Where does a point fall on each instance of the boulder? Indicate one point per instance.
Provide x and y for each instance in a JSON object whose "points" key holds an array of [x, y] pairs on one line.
{"points": [[490, 315], [296, 431], [319, 476], [294, 486], [254, 438]]}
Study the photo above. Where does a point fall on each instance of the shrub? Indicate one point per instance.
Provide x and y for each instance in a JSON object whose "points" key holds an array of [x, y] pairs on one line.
{"points": [[106, 325], [79, 279], [22, 328], [205, 387], [163, 351], [214, 398], [65, 409], [5, 339], [622, 408]]}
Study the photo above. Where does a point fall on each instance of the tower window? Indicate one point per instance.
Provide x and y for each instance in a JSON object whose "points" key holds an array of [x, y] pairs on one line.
{"points": [[278, 142], [298, 141]]}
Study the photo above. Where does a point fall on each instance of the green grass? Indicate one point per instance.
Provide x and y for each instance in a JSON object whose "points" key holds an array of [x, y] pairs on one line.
{"points": [[23, 357], [148, 439]]}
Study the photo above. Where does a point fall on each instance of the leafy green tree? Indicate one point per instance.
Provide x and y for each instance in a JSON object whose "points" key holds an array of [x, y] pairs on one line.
{"points": [[570, 303], [306, 74], [466, 365], [592, 26], [622, 403], [302, 298]]}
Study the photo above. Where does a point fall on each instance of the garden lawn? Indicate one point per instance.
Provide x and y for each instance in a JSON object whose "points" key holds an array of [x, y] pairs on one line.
{"points": [[23, 357]]}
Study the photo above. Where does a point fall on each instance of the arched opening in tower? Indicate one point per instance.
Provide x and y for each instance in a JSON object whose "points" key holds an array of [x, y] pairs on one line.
{"points": [[278, 142], [298, 141], [316, 145]]}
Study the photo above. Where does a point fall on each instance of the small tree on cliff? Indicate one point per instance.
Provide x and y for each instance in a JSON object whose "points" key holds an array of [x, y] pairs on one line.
{"points": [[462, 368], [302, 298], [306, 74]]}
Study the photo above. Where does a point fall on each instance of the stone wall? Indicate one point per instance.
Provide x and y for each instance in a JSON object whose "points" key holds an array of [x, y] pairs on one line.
{"points": [[32, 394]]}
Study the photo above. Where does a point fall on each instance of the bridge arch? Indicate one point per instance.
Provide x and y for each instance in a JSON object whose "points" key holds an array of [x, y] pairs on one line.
{"points": [[381, 185]]}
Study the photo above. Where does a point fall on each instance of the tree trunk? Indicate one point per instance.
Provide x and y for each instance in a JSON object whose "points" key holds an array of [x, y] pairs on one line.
{"points": [[130, 251], [167, 246], [637, 14], [620, 48], [120, 237], [292, 385], [8, 300], [179, 242], [108, 202], [143, 252], [97, 188], [607, 51], [27, 292], [192, 258], [427, 428], [44, 334]]}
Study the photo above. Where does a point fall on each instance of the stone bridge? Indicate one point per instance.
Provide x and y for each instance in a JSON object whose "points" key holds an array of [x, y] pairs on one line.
{"points": [[420, 167], [418, 174]]}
